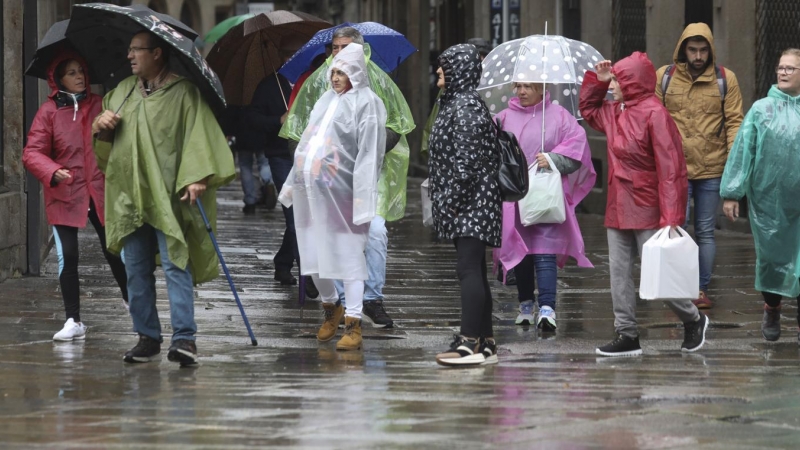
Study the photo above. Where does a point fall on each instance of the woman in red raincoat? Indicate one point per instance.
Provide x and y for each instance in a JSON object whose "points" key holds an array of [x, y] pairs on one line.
{"points": [[647, 187], [59, 154]]}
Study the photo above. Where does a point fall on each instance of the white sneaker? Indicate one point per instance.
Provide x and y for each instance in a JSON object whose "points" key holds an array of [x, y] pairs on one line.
{"points": [[71, 331], [547, 319], [126, 304], [525, 316]]}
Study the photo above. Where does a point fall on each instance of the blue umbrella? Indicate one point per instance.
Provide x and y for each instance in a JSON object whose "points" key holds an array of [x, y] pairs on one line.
{"points": [[389, 48]]}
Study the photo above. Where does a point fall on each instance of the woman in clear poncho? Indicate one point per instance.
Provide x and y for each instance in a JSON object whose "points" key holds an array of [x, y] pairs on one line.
{"points": [[333, 188], [763, 165]]}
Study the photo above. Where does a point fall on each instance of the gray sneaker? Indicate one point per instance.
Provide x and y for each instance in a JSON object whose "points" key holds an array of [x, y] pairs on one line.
{"points": [[771, 323], [525, 316]]}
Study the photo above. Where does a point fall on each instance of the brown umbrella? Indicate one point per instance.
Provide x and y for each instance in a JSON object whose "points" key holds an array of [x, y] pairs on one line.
{"points": [[249, 52]]}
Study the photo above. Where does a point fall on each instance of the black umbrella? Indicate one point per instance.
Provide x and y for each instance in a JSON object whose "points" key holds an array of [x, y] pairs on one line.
{"points": [[103, 32], [55, 40]]}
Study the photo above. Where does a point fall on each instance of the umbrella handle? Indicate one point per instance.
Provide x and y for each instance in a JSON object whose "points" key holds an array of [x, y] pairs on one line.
{"points": [[125, 100]]}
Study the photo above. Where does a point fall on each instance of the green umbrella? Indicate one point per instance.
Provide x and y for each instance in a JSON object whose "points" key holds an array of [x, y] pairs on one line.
{"points": [[221, 28]]}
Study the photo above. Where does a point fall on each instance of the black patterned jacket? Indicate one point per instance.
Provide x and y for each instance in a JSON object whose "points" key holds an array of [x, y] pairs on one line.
{"points": [[464, 161]]}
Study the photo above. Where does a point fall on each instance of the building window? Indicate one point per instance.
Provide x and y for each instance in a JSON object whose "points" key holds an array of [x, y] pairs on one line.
{"points": [[630, 17]]}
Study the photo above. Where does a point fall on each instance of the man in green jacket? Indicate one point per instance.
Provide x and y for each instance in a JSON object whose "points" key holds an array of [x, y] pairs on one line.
{"points": [[163, 151], [392, 181]]}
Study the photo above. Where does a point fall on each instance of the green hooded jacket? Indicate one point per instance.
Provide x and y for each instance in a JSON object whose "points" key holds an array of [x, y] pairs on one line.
{"points": [[394, 172], [162, 144], [763, 165]]}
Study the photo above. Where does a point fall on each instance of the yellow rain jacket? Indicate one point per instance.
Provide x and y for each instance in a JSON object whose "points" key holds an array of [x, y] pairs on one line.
{"points": [[696, 107]]}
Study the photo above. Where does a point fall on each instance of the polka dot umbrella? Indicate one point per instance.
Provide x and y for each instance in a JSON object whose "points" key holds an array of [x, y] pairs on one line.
{"points": [[556, 61]]}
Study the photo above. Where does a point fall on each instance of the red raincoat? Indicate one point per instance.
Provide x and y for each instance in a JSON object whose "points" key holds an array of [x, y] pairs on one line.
{"points": [[61, 138], [647, 184]]}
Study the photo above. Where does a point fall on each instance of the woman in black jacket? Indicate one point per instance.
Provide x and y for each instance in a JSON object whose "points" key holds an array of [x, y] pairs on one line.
{"points": [[465, 195]]}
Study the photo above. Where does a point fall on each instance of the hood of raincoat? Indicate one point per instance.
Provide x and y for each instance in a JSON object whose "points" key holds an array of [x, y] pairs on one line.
{"points": [[636, 77], [61, 97], [352, 62], [461, 65], [692, 30]]}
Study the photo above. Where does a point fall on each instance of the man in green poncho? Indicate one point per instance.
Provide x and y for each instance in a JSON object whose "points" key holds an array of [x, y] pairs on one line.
{"points": [[163, 151], [392, 181]]}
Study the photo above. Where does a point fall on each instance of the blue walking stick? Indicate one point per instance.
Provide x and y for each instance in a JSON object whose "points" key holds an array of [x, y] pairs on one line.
{"points": [[227, 274]]}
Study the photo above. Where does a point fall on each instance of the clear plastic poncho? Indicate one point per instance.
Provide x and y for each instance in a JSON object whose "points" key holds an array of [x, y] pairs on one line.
{"points": [[334, 180], [392, 182], [764, 165]]}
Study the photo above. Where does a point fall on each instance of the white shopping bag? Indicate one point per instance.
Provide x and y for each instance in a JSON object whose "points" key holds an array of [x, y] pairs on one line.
{"points": [[670, 266], [427, 209], [544, 202]]}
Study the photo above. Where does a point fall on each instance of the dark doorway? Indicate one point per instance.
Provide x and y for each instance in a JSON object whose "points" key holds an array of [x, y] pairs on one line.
{"points": [[571, 19], [699, 11]]}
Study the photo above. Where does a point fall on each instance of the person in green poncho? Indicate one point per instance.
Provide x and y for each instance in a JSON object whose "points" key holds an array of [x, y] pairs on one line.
{"points": [[763, 165], [163, 151], [392, 181]]}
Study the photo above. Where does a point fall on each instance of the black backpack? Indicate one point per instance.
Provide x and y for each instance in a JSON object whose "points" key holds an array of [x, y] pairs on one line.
{"points": [[722, 83], [513, 173]]}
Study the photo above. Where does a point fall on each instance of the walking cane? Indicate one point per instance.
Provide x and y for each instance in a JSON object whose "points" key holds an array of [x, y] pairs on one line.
{"points": [[301, 296], [227, 274]]}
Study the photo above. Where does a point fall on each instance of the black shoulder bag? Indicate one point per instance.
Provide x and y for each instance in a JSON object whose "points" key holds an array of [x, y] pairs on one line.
{"points": [[513, 173]]}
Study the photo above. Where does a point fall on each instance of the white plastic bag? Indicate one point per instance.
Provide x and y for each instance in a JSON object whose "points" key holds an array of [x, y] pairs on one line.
{"points": [[544, 202], [670, 266], [427, 207]]}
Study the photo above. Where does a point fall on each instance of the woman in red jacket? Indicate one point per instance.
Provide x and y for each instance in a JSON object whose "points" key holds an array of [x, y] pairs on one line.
{"points": [[59, 154], [647, 187]]}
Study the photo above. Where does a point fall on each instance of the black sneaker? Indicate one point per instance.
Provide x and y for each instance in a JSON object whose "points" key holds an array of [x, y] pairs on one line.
{"points": [[285, 277], [511, 278], [311, 288], [144, 351], [462, 352], [249, 210], [621, 346], [183, 351], [694, 334], [489, 349], [374, 312]]}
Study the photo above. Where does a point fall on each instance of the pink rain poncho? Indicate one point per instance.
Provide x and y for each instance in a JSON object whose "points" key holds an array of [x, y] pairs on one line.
{"points": [[334, 180], [563, 136]]}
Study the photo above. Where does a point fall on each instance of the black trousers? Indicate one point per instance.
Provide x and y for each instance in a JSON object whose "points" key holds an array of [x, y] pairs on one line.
{"points": [[773, 300], [476, 297], [68, 255], [288, 253]]}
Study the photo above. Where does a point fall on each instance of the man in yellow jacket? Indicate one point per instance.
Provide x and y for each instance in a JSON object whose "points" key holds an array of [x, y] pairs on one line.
{"points": [[704, 100]]}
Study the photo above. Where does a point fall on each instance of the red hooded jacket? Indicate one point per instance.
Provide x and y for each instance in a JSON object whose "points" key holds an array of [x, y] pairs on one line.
{"points": [[61, 138], [647, 183]]}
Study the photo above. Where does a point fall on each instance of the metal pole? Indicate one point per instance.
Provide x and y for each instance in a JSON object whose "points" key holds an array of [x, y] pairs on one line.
{"points": [[30, 89]]}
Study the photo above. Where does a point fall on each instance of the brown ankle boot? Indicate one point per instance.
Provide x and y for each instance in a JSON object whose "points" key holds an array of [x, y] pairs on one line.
{"points": [[333, 315], [352, 335]]}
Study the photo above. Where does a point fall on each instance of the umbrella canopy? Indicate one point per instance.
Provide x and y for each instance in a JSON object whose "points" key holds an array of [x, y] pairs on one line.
{"points": [[249, 51], [92, 23], [223, 27], [389, 48], [556, 61]]}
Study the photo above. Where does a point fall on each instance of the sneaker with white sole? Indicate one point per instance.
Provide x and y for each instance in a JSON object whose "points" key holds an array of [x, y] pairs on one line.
{"points": [[489, 349], [621, 346], [547, 319], [525, 316], [462, 352], [71, 331]]}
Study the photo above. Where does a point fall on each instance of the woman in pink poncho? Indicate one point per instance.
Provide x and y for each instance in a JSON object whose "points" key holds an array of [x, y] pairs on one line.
{"points": [[540, 248]]}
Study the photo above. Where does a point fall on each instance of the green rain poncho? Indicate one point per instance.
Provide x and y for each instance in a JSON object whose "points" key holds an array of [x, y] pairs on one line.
{"points": [[764, 165], [162, 144], [394, 172]]}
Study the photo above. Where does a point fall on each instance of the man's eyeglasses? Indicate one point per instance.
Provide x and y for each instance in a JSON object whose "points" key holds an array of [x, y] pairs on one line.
{"points": [[788, 70], [138, 49]]}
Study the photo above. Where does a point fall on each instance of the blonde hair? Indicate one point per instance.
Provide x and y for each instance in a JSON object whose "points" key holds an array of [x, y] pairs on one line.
{"points": [[791, 51], [538, 87]]}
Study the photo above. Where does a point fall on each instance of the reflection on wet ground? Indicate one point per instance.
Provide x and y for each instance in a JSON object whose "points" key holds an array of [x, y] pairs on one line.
{"points": [[291, 392]]}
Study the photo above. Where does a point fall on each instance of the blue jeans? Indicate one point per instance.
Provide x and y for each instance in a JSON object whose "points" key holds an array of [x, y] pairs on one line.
{"points": [[246, 171], [706, 200], [544, 266], [377, 247], [140, 265]]}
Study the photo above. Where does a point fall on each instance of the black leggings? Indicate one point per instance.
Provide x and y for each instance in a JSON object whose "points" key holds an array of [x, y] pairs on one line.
{"points": [[68, 254], [476, 297]]}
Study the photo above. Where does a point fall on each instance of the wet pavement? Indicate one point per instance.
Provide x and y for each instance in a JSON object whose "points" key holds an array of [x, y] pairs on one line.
{"points": [[739, 392]]}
